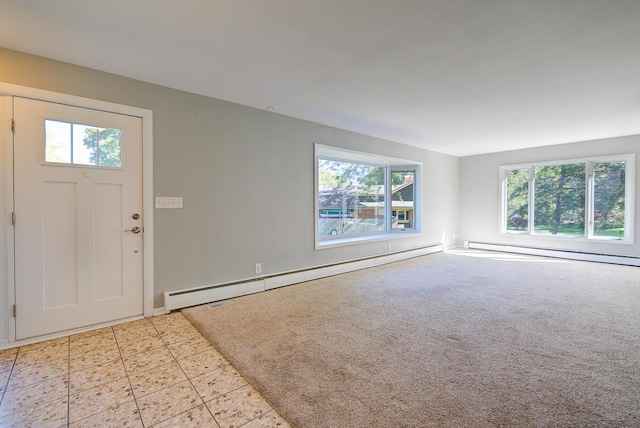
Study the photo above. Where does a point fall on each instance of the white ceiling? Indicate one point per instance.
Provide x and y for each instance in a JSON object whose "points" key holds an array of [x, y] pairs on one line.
{"points": [[456, 76]]}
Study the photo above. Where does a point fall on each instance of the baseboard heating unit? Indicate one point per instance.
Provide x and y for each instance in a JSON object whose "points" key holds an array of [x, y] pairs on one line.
{"points": [[562, 254], [211, 293]]}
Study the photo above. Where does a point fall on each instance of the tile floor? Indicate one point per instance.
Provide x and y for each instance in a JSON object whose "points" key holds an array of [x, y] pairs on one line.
{"points": [[155, 372]]}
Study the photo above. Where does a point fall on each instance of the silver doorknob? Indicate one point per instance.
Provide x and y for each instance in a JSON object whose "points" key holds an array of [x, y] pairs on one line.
{"points": [[135, 230]]}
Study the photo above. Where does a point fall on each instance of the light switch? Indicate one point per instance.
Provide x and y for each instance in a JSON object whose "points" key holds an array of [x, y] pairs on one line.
{"points": [[168, 202]]}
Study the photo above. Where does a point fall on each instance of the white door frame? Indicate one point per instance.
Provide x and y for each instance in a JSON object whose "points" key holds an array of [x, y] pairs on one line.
{"points": [[6, 183]]}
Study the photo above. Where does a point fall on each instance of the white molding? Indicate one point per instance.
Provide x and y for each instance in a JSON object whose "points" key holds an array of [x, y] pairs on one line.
{"points": [[57, 97], [147, 211], [561, 254], [8, 333], [201, 295], [192, 297]]}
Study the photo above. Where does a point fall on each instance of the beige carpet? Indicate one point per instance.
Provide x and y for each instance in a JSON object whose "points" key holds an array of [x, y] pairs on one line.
{"points": [[448, 340]]}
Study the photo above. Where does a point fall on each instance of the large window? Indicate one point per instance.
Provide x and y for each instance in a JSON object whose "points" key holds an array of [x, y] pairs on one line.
{"points": [[589, 198], [361, 196]]}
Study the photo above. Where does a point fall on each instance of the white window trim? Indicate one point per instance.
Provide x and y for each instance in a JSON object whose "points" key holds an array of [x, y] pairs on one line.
{"points": [[630, 180], [391, 163]]}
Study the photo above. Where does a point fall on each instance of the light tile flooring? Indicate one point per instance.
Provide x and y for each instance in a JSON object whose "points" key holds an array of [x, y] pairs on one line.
{"points": [[156, 372]]}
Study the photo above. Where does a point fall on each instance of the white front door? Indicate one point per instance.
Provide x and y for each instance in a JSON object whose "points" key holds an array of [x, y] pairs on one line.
{"points": [[78, 224]]}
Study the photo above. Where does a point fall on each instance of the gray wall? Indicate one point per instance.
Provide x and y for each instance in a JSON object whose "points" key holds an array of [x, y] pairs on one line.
{"points": [[480, 193], [245, 175]]}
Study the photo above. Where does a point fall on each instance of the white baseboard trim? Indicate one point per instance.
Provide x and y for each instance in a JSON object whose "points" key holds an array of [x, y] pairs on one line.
{"points": [[323, 272], [562, 254], [185, 298], [159, 311], [201, 295]]}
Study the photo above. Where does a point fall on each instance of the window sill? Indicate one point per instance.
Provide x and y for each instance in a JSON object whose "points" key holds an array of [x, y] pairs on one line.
{"points": [[599, 240], [355, 240]]}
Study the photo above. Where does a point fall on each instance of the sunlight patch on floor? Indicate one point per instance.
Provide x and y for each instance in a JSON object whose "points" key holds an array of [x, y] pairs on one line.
{"points": [[504, 257]]}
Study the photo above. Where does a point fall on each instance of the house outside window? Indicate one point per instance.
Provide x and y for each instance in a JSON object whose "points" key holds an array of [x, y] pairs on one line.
{"points": [[361, 196]]}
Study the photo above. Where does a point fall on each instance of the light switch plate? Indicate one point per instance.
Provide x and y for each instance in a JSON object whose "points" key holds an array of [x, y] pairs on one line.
{"points": [[168, 202]]}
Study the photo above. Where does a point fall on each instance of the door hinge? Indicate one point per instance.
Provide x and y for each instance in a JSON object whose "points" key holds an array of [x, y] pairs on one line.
{"points": [[13, 126], [14, 311], [13, 218]]}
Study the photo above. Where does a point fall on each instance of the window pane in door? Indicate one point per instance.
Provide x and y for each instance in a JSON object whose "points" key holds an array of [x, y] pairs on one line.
{"points": [[103, 146], [83, 153], [609, 199], [110, 147], [57, 141]]}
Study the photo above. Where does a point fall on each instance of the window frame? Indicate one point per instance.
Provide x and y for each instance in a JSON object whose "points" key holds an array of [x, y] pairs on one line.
{"points": [[72, 164], [390, 164], [589, 235]]}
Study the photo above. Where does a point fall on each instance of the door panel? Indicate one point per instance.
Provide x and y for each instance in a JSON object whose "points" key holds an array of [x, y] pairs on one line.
{"points": [[108, 234], [77, 183], [59, 245]]}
